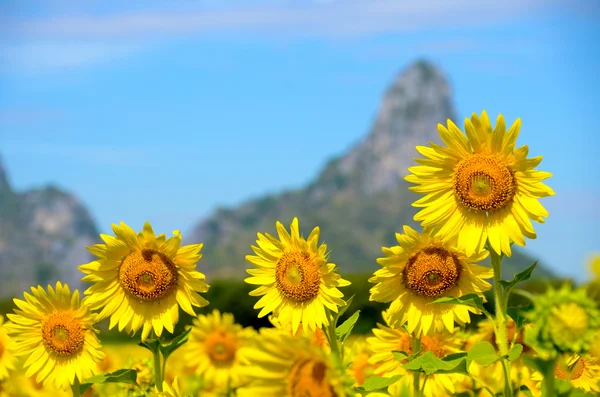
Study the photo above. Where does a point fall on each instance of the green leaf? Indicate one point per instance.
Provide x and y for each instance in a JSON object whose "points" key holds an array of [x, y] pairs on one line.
{"points": [[515, 352], [483, 353], [430, 364], [399, 355], [519, 277], [345, 329], [127, 376], [150, 344], [343, 309], [374, 383], [175, 344], [517, 313], [472, 300], [525, 390]]}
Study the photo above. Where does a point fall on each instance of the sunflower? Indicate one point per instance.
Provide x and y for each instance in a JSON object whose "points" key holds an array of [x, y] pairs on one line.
{"points": [[280, 364], [386, 340], [421, 269], [564, 320], [169, 390], [296, 281], [56, 332], [594, 264], [358, 354], [479, 188], [317, 336], [141, 280], [7, 358], [212, 349], [582, 371]]}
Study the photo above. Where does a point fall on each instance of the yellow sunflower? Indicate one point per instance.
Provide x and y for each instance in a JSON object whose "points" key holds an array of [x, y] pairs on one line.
{"points": [[7, 358], [169, 390], [141, 280], [421, 269], [582, 371], [280, 364], [480, 187], [358, 354], [594, 264], [212, 349], [317, 336], [56, 332], [387, 339], [296, 281]]}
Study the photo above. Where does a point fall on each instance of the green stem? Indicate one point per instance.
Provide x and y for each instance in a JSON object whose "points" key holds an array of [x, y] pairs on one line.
{"points": [[75, 388], [525, 294], [416, 346], [157, 371], [333, 341], [548, 382], [501, 319], [476, 379]]}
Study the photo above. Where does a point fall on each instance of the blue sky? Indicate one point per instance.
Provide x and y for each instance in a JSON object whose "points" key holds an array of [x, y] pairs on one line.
{"points": [[164, 110]]}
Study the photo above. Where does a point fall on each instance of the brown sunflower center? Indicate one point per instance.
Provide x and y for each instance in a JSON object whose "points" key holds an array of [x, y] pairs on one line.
{"points": [[431, 271], [63, 333], [307, 378], [434, 345], [148, 275], [297, 276], [569, 372], [221, 347], [484, 183]]}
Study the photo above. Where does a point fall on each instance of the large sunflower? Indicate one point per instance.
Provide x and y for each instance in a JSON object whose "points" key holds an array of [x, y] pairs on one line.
{"points": [[480, 187], [295, 278], [7, 358], [582, 371], [141, 280], [421, 269], [212, 349], [280, 365], [56, 332]]}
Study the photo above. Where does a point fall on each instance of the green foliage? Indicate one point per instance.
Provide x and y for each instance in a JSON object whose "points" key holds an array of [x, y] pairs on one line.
{"points": [[375, 383], [127, 376], [429, 363], [518, 278], [344, 330], [472, 300], [483, 353]]}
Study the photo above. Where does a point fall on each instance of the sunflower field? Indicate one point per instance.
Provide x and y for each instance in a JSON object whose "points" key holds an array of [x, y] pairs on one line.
{"points": [[433, 320]]}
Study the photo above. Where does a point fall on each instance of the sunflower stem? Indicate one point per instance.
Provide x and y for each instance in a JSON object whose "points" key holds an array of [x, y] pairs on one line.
{"points": [[548, 382], [158, 372], [501, 319], [416, 346], [75, 387], [333, 341]]}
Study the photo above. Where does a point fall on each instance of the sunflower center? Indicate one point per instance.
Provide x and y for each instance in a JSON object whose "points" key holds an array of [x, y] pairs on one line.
{"points": [[434, 345], [431, 271], [148, 275], [569, 372], [569, 321], [63, 333], [221, 347], [484, 183], [297, 276], [307, 378]]}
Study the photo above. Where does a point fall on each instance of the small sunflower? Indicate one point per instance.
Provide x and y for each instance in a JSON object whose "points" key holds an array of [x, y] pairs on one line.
{"points": [[213, 346], [564, 320], [296, 281], [283, 365], [56, 332], [421, 269], [7, 358], [582, 371], [358, 354], [594, 264], [141, 280], [480, 187]]}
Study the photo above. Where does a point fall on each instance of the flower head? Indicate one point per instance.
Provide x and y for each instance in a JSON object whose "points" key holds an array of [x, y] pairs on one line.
{"points": [[295, 279], [480, 187], [140, 280], [56, 332], [7, 358], [422, 269]]}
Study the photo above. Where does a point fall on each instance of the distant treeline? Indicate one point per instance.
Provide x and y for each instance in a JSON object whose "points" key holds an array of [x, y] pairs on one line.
{"points": [[232, 297]]}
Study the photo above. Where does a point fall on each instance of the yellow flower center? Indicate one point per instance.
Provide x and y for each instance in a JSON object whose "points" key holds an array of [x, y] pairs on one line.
{"points": [[431, 271], [307, 378], [221, 347], [569, 321], [63, 333], [569, 372], [484, 183], [297, 276], [148, 275]]}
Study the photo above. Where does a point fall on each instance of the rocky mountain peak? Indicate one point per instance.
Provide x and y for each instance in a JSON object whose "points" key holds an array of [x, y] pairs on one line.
{"points": [[418, 99]]}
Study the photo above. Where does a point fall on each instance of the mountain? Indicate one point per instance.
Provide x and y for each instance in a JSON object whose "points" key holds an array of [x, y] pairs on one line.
{"points": [[43, 235], [360, 199]]}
